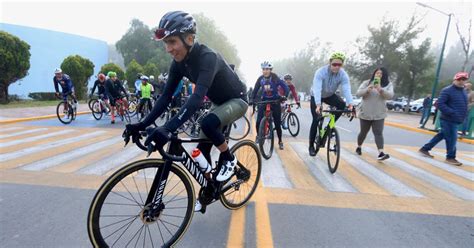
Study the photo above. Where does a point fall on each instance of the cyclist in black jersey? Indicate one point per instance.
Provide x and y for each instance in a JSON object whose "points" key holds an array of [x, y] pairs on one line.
{"points": [[213, 78]]}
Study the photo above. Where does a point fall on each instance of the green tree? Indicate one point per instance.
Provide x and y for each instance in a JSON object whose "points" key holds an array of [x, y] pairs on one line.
{"points": [[14, 62], [212, 36], [385, 46], [151, 69], [80, 70], [113, 67], [413, 73], [131, 74], [303, 64], [137, 44]]}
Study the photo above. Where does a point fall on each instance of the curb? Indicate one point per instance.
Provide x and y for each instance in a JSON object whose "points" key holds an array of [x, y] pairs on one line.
{"points": [[36, 118], [414, 129]]}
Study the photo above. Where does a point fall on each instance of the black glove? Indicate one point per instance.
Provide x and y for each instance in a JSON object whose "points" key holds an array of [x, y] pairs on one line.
{"points": [[134, 130], [282, 98], [250, 103], [298, 104], [159, 135]]}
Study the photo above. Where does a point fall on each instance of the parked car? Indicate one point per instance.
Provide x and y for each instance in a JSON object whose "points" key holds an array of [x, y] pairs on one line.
{"points": [[356, 101], [417, 106], [398, 104]]}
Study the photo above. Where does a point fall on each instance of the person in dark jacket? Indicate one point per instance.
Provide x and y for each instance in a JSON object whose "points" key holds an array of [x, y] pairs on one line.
{"points": [[452, 103], [426, 111]]}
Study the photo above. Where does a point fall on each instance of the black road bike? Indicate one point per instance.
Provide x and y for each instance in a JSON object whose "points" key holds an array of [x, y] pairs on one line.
{"points": [[151, 202]]}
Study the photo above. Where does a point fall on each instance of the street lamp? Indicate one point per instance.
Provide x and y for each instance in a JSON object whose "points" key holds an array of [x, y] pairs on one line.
{"points": [[435, 85]]}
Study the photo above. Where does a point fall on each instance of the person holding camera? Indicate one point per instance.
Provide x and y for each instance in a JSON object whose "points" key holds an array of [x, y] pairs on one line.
{"points": [[372, 110]]}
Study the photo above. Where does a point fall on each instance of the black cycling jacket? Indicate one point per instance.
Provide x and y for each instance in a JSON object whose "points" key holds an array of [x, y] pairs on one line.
{"points": [[211, 74], [114, 88], [100, 87]]}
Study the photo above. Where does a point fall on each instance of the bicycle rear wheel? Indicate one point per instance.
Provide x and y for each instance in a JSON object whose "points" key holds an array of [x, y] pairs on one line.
{"points": [[238, 190], [65, 116], [116, 215], [97, 110], [293, 124], [333, 150], [266, 137], [240, 128]]}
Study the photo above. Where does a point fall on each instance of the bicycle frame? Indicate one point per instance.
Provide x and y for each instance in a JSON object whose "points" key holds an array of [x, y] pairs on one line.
{"points": [[175, 148], [331, 124]]}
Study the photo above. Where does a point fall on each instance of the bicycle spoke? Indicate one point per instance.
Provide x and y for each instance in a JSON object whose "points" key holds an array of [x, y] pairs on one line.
{"points": [[172, 215], [161, 234], [149, 234], [129, 223], [161, 221], [138, 191], [118, 222], [171, 200], [138, 204], [138, 231], [130, 193]]}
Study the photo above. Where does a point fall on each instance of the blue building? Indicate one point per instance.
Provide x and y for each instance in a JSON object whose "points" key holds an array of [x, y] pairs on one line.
{"points": [[48, 50]]}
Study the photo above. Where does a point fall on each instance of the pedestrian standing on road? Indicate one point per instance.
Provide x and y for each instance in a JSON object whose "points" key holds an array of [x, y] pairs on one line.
{"points": [[452, 104], [470, 105], [425, 114], [373, 110]]}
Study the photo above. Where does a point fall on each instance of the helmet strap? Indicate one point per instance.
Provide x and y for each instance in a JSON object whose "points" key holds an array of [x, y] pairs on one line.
{"points": [[188, 47]]}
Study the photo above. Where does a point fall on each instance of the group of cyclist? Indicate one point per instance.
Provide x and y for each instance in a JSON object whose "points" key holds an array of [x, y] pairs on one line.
{"points": [[215, 79]]}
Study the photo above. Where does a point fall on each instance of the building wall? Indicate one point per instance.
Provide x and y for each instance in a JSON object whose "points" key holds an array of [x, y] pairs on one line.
{"points": [[48, 50]]}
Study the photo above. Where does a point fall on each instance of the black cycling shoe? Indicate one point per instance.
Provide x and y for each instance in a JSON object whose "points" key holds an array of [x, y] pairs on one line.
{"points": [[359, 151], [281, 145], [312, 151]]}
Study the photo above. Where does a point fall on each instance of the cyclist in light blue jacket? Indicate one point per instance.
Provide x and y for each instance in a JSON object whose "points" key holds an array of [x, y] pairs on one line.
{"points": [[327, 80]]}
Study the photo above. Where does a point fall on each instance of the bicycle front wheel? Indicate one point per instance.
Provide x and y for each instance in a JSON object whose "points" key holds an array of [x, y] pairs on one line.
{"points": [[240, 128], [116, 215], [333, 150], [293, 124], [265, 132], [65, 116], [238, 190], [97, 110]]}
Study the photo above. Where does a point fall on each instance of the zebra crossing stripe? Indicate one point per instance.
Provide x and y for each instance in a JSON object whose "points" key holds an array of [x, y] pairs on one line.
{"points": [[119, 159], [381, 178], [22, 133], [317, 166], [67, 156], [449, 168], [436, 181], [273, 174], [35, 138], [43, 147], [10, 129], [463, 161]]}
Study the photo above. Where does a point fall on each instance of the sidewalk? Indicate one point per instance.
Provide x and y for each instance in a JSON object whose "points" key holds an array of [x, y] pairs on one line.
{"points": [[411, 119], [31, 112]]}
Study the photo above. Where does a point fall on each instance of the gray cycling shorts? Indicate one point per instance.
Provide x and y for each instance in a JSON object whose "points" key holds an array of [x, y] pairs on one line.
{"points": [[228, 112]]}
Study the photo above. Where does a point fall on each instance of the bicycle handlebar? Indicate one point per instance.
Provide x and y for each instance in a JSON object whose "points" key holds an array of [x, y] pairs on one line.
{"points": [[151, 148], [344, 111], [269, 102]]}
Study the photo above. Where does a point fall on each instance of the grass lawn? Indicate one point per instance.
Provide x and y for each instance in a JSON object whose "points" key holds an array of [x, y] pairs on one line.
{"points": [[28, 103]]}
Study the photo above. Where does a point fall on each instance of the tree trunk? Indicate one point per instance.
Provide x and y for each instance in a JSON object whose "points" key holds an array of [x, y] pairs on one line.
{"points": [[466, 60], [3, 93]]}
